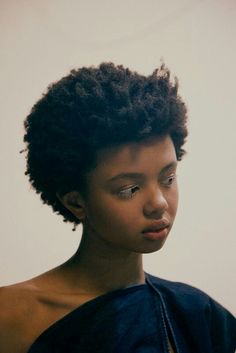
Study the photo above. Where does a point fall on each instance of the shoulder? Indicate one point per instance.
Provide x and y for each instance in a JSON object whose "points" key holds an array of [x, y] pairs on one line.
{"points": [[15, 299], [16, 302], [184, 294], [178, 290], [190, 305]]}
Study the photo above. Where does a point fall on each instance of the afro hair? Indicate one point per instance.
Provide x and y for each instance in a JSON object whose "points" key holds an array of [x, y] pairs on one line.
{"points": [[94, 108]]}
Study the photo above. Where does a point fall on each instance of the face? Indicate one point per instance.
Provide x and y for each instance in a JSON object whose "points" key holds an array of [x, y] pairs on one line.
{"points": [[132, 197]]}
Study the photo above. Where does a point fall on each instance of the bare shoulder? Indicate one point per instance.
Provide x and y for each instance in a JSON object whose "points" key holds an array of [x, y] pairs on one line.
{"points": [[29, 308], [16, 302], [15, 298]]}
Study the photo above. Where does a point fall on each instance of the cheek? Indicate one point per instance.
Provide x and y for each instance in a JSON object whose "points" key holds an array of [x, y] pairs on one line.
{"points": [[173, 200], [111, 212]]}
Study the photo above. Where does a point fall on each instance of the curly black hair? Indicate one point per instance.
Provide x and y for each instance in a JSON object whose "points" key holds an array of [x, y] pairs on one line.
{"points": [[94, 108]]}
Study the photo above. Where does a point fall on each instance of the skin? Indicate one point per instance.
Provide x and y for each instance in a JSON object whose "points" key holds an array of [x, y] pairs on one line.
{"points": [[114, 214]]}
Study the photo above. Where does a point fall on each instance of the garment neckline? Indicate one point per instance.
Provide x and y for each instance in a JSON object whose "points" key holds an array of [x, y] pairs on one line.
{"points": [[87, 305]]}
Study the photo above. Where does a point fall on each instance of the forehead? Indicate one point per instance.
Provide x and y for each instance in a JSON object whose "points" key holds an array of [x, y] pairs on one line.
{"points": [[135, 157]]}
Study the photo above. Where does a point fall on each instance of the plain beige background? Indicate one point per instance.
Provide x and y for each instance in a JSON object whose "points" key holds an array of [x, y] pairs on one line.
{"points": [[43, 40]]}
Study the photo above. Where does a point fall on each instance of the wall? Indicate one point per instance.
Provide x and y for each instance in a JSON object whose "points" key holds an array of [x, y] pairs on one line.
{"points": [[43, 40]]}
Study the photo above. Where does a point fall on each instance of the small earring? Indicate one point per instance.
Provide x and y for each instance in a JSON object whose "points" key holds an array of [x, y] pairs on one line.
{"points": [[74, 227]]}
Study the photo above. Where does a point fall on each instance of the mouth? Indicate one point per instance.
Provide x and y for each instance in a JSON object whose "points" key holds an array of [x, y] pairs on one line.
{"points": [[157, 226], [157, 230]]}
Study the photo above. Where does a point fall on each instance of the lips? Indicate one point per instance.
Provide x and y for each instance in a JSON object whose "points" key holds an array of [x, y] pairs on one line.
{"points": [[157, 230], [156, 226]]}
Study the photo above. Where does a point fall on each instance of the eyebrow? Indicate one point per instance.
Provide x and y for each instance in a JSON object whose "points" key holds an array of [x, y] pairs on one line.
{"points": [[169, 166], [140, 176]]}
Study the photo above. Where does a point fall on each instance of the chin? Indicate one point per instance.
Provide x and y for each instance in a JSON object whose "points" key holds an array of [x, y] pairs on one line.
{"points": [[151, 248]]}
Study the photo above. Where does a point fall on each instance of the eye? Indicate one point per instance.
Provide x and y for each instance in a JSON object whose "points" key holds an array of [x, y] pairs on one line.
{"points": [[168, 181], [128, 192]]}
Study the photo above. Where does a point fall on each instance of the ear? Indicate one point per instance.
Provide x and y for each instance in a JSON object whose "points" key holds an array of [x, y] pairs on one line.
{"points": [[74, 203]]}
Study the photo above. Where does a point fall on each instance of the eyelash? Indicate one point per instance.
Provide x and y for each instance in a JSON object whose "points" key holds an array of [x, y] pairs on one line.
{"points": [[129, 192], [171, 177]]}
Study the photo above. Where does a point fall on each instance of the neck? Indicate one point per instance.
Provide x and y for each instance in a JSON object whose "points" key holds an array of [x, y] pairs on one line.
{"points": [[106, 270]]}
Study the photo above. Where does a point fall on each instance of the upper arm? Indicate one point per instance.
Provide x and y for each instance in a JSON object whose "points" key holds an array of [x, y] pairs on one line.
{"points": [[223, 328]]}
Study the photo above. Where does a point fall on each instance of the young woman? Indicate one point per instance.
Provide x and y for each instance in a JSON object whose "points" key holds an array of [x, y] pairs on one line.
{"points": [[103, 146]]}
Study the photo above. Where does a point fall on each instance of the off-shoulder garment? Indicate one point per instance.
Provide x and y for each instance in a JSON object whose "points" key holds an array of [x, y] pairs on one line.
{"points": [[141, 319]]}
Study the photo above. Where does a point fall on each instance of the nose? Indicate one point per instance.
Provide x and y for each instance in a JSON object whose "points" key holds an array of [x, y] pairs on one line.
{"points": [[156, 203]]}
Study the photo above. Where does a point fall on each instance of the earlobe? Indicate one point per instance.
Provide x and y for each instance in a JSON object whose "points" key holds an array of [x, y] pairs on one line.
{"points": [[74, 203]]}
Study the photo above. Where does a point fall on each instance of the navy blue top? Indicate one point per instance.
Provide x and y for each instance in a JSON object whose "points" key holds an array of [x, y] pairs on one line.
{"points": [[139, 319]]}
